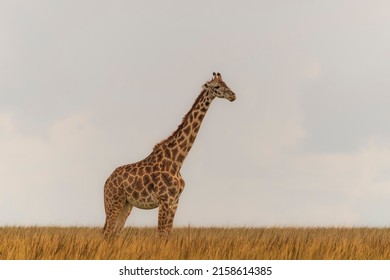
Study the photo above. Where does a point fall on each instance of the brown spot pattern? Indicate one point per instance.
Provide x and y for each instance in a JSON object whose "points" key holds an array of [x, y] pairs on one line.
{"points": [[156, 181]]}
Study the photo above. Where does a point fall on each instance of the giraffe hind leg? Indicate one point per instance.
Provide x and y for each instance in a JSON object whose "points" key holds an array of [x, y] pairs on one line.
{"points": [[126, 210], [110, 226], [115, 216]]}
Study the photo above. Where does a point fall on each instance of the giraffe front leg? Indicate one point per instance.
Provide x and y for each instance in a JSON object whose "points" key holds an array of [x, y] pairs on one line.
{"points": [[171, 215], [163, 213], [166, 214]]}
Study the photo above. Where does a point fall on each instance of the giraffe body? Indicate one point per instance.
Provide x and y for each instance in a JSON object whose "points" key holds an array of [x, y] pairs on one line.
{"points": [[156, 180]]}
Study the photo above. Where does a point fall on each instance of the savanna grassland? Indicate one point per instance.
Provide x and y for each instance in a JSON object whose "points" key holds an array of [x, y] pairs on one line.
{"points": [[80, 243]]}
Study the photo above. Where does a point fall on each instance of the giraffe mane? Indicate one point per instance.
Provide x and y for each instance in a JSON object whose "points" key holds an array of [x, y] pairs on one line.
{"points": [[181, 125]]}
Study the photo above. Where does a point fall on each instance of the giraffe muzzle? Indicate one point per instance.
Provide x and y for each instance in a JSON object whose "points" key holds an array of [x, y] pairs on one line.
{"points": [[232, 97]]}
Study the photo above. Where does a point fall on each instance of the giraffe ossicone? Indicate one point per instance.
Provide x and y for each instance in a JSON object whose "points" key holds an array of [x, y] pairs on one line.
{"points": [[156, 180]]}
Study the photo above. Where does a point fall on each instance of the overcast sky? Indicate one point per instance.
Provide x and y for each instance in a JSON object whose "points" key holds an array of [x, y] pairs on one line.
{"points": [[87, 86]]}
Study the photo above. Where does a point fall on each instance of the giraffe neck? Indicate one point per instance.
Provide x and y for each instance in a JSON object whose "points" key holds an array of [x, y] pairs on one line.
{"points": [[177, 146]]}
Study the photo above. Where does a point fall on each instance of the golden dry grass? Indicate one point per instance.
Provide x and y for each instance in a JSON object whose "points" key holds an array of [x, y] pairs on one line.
{"points": [[79, 243]]}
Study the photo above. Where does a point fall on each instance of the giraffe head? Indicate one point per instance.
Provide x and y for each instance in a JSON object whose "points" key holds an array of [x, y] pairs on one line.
{"points": [[217, 88]]}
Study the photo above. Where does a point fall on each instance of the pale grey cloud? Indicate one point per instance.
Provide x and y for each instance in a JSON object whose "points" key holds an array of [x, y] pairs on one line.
{"points": [[90, 85]]}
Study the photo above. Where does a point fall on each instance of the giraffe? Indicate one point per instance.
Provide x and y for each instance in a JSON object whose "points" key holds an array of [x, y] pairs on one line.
{"points": [[156, 180]]}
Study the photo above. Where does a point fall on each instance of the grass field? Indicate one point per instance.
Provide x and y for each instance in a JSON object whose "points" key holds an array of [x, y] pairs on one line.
{"points": [[78, 243]]}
